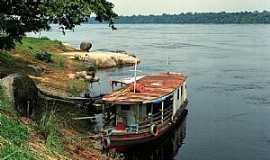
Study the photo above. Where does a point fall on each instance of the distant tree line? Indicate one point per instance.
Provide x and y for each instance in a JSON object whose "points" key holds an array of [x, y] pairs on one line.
{"points": [[246, 17]]}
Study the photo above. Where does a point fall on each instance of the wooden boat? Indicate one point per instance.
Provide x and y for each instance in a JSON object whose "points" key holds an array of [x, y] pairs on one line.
{"points": [[143, 109]]}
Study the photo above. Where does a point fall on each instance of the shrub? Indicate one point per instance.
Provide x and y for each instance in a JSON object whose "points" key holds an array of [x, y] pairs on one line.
{"points": [[44, 38], [6, 58], [77, 58], [43, 56], [48, 128], [59, 61], [77, 86]]}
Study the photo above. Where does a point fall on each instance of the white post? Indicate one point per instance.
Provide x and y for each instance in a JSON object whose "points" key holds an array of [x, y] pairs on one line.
{"points": [[135, 74]]}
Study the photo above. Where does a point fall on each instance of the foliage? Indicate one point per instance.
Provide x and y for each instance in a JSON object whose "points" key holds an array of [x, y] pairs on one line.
{"points": [[77, 86], [44, 56], [198, 18], [6, 58], [19, 17], [59, 61], [47, 127]]}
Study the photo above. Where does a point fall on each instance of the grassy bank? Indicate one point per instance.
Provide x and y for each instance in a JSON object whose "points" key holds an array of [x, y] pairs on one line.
{"points": [[24, 139], [40, 58]]}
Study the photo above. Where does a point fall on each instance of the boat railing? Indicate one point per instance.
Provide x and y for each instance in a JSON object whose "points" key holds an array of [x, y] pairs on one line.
{"points": [[156, 119]]}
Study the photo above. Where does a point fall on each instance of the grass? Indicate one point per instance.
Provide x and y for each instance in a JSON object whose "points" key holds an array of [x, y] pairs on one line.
{"points": [[6, 58], [4, 102], [12, 152], [49, 73], [13, 130], [48, 128], [58, 61], [30, 44], [13, 135], [76, 86]]}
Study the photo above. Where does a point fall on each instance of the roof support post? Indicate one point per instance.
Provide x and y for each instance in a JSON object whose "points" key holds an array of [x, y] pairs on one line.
{"points": [[152, 112]]}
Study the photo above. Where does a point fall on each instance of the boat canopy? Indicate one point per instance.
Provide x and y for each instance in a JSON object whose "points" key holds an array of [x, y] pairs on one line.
{"points": [[149, 89]]}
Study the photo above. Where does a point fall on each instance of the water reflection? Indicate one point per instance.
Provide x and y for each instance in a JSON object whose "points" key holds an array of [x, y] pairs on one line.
{"points": [[163, 149]]}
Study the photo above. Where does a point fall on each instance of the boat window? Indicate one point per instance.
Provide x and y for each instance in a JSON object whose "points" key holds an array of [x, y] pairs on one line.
{"points": [[182, 90], [148, 108], [125, 107], [178, 94]]}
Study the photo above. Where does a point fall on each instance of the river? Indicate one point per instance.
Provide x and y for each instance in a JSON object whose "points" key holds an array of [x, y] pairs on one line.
{"points": [[228, 69]]}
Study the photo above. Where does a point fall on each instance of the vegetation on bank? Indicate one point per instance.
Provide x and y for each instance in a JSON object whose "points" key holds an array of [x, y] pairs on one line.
{"points": [[40, 58], [24, 139], [13, 135], [197, 18]]}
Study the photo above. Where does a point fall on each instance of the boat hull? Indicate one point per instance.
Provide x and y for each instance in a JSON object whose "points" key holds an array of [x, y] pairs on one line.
{"points": [[121, 143]]}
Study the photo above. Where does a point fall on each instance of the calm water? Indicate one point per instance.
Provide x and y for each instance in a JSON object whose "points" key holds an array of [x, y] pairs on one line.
{"points": [[229, 80]]}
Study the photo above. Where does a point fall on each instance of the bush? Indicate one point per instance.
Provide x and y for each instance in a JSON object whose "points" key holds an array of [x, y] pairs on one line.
{"points": [[44, 56], [77, 58], [59, 61], [48, 128], [44, 38], [77, 86], [6, 58]]}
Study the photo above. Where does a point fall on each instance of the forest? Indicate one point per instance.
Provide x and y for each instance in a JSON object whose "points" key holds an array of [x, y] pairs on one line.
{"points": [[246, 17]]}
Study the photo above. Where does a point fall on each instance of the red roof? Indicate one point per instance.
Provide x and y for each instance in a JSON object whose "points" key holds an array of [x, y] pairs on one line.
{"points": [[155, 87]]}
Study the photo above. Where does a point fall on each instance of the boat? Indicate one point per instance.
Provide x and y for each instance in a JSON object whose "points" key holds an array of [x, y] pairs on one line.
{"points": [[143, 109]]}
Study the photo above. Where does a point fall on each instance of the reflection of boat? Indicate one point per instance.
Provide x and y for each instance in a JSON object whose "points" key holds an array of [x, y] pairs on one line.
{"points": [[165, 148], [144, 110]]}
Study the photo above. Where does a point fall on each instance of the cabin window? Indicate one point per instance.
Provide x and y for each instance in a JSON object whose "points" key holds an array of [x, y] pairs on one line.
{"points": [[125, 107], [178, 93]]}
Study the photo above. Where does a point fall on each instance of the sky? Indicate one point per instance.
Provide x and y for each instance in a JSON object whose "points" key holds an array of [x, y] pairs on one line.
{"points": [[146, 7]]}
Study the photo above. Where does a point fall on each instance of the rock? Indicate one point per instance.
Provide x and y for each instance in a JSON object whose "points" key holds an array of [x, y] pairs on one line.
{"points": [[102, 59], [85, 46], [22, 92], [85, 75], [71, 76]]}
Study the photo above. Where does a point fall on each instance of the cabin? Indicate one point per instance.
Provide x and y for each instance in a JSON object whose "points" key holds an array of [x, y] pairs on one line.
{"points": [[147, 104]]}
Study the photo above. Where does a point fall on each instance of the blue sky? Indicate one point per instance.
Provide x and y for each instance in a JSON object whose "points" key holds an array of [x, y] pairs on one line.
{"points": [[130, 7]]}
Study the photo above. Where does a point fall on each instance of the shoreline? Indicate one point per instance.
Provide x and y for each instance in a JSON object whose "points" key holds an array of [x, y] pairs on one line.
{"points": [[53, 77], [70, 69]]}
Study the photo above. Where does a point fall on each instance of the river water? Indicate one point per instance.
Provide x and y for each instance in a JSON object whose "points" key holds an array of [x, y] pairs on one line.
{"points": [[228, 69]]}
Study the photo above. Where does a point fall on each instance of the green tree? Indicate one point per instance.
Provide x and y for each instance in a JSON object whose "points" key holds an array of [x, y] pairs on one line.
{"points": [[20, 16]]}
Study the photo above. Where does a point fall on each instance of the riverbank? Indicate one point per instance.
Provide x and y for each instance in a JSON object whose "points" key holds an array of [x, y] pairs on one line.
{"points": [[47, 138], [56, 67], [52, 136]]}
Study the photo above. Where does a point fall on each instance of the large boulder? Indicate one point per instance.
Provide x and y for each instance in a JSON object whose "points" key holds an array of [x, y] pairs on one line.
{"points": [[85, 46], [22, 93]]}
